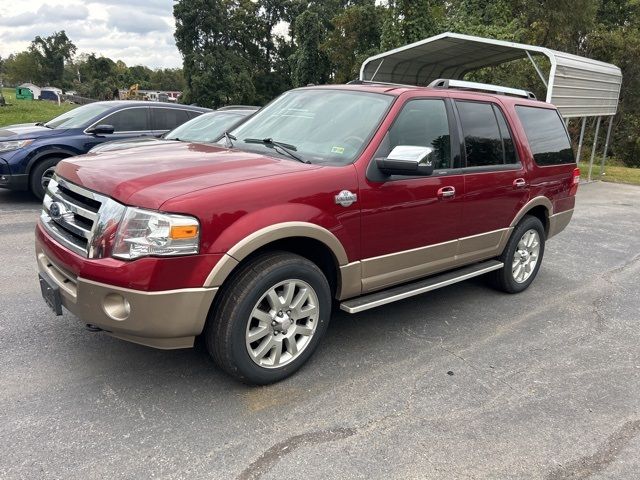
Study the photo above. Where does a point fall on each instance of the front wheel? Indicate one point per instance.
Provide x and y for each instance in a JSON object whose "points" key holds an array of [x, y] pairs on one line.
{"points": [[41, 175], [522, 256], [270, 318]]}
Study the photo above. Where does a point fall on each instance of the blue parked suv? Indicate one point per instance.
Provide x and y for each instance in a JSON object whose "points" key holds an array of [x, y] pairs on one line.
{"points": [[30, 152]]}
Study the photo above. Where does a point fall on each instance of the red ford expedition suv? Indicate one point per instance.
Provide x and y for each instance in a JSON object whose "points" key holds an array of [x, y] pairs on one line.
{"points": [[360, 194]]}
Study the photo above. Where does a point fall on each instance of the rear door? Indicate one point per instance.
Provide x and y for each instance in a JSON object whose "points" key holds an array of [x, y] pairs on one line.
{"points": [[165, 119], [553, 160], [496, 186]]}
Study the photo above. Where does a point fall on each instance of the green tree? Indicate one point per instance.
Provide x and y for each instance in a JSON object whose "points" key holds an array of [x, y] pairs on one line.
{"points": [[22, 67], [411, 20], [51, 53], [214, 37], [98, 78], [309, 63], [354, 37]]}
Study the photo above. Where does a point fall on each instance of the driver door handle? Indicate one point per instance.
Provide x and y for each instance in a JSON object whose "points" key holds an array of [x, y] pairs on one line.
{"points": [[519, 183], [446, 192]]}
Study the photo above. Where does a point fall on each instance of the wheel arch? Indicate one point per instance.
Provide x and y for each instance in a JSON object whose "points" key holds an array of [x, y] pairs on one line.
{"points": [[49, 153], [540, 207], [308, 240]]}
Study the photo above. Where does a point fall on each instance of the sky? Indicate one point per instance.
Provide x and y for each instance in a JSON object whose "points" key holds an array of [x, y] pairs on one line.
{"points": [[138, 35]]}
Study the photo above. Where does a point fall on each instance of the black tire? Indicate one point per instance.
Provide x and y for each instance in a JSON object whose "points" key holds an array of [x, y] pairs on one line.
{"points": [[226, 329], [503, 279], [41, 169]]}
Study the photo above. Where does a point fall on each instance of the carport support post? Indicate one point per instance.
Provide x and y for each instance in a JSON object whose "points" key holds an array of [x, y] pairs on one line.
{"points": [[584, 124], [606, 145], [593, 150]]}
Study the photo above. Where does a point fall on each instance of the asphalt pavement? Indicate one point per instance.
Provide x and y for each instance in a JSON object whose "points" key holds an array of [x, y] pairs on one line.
{"points": [[463, 382]]}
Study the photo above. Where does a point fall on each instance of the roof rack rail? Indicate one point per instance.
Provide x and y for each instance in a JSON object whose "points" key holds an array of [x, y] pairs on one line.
{"points": [[357, 81], [237, 107], [481, 87]]}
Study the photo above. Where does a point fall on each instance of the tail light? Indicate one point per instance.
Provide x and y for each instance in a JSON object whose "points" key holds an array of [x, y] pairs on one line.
{"points": [[575, 181]]}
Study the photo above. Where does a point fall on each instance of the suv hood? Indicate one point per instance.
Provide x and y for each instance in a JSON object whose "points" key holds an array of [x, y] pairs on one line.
{"points": [[148, 176], [126, 143], [23, 131]]}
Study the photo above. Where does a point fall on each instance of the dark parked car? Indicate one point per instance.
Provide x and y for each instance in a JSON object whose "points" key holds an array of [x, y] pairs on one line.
{"points": [[207, 128], [30, 152]]}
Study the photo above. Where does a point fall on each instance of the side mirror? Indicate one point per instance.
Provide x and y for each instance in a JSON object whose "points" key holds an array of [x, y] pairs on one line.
{"points": [[102, 129], [408, 160]]}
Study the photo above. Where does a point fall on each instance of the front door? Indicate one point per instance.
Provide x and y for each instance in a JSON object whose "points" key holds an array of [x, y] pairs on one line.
{"points": [[410, 225]]}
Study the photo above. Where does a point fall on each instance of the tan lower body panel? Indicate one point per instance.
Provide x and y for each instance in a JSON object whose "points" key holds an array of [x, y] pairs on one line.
{"points": [[400, 267], [166, 319], [559, 222]]}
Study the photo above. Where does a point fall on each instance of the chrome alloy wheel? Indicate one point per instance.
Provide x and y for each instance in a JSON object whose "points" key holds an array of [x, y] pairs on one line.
{"points": [[282, 323], [526, 256], [47, 175]]}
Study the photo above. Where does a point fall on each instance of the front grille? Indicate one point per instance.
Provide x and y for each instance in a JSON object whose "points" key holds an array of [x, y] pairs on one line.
{"points": [[70, 214]]}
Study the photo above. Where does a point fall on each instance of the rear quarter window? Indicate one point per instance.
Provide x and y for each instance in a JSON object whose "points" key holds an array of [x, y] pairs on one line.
{"points": [[546, 134]]}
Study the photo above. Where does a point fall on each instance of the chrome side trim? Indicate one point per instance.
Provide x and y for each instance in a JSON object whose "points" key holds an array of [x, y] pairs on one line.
{"points": [[400, 293]]}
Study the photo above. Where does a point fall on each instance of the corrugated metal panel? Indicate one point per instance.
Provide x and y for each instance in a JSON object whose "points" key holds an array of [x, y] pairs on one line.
{"points": [[578, 86]]}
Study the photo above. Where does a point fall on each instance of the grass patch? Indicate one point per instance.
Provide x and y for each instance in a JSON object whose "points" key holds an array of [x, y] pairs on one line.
{"points": [[613, 173], [29, 111]]}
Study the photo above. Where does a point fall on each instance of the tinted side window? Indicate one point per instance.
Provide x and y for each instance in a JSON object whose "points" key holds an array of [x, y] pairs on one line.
{"points": [[423, 123], [510, 155], [168, 118], [547, 136], [482, 139], [128, 120]]}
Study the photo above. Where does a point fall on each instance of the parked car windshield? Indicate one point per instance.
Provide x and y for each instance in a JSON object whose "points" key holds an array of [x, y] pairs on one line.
{"points": [[78, 117], [328, 126], [208, 127]]}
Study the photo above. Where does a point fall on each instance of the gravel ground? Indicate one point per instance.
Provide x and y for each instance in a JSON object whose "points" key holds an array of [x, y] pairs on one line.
{"points": [[463, 382]]}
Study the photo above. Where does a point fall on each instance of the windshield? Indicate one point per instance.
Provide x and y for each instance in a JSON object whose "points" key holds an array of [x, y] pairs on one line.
{"points": [[208, 127], [324, 126], [78, 117]]}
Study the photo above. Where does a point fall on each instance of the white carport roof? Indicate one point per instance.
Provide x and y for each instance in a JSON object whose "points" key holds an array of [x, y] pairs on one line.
{"points": [[578, 86]]}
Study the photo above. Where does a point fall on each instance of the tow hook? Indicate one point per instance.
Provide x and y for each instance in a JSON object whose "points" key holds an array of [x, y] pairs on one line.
{"points": [[92, 328]]}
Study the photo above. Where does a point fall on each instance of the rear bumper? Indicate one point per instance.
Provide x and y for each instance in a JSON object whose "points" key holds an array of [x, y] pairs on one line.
{"points": [[559, 222], [162, 319]]}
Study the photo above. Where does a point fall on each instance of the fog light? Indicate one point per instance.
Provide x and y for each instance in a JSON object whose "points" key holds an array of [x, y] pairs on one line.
{"points": [[116, 307]]}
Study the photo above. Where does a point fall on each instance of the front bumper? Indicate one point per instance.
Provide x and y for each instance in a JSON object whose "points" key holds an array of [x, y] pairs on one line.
{"points": [[162, 319], [14, 182]]}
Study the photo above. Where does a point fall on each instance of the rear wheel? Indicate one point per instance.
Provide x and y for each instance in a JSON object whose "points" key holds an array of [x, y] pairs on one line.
{"points": [[41, 175], [522, 256], [270, 318]]}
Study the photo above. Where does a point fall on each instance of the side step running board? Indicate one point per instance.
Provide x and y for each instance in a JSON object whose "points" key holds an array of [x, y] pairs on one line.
{"points": [[394, 294]]}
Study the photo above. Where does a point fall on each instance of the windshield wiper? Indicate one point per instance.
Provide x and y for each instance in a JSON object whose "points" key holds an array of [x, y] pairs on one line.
{"points": [[42, 124], [284, 147], [228, 139]]}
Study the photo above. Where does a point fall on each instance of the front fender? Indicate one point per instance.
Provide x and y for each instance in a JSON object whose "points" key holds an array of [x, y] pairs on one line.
{"points": [[256, 229]]}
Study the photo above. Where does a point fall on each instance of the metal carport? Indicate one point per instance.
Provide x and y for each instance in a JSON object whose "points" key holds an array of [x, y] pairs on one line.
{"points": [[580, 87]]}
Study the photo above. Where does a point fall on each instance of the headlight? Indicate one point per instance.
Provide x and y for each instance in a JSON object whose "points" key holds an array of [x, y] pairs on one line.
{"points": [[14, 145], [143, 232]]}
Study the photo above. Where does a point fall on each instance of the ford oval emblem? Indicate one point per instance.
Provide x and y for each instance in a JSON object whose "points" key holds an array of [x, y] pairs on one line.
{"points": [[56, 211]]}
